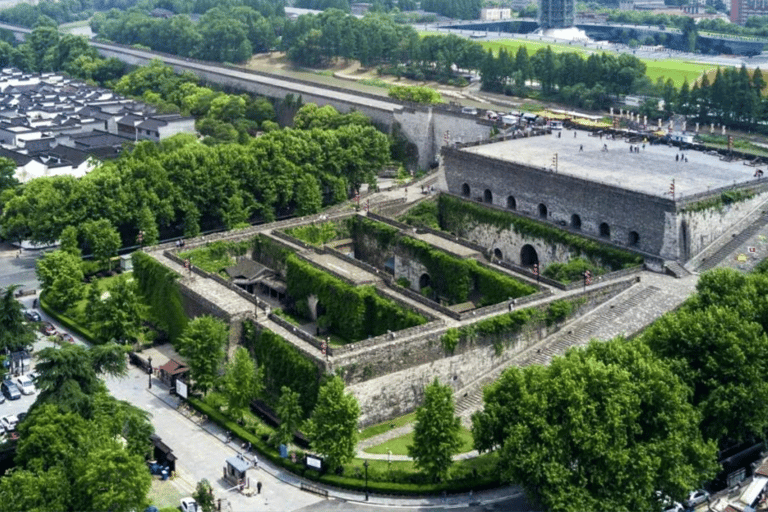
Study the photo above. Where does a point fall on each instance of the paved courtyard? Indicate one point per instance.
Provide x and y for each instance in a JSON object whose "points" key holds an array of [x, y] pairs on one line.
{"points": [[650, 171]]}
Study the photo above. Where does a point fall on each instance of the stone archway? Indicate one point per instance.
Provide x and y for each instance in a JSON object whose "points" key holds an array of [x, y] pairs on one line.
{"points": [[634, 238], [528, 256], [488, 196], [542, 210], [605, 230], [575, 221], [465, 190], [424, 281], [498, 254], [511, 203]]}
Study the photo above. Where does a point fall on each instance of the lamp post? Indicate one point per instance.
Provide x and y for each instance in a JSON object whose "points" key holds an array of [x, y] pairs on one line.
{"points": [[365, 464], [149, 372]]}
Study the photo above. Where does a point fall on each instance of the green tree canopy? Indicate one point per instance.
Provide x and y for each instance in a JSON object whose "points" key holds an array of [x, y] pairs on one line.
{"points": [[290, 413], [241, 383], [15, 333], [332, 428], [61, 278], [436, 433], [601, 428], [203, 343]]}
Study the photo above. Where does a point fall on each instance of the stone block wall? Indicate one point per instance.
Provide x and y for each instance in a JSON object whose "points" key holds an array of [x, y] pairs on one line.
{"points": [[415, 363], [556, 198]]}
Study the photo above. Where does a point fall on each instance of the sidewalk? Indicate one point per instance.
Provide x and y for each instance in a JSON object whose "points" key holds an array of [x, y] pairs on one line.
{"points": [[202, 450]]}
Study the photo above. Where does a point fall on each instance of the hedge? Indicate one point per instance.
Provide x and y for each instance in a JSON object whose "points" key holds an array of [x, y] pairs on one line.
{"points": [[66, 321]]}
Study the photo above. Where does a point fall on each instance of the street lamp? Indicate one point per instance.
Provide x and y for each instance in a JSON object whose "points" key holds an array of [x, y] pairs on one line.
{"points": [[365, 464], [149, 372]]}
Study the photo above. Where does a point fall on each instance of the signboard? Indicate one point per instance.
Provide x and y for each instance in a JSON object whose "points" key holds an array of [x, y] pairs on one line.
{"points": [[181, 388], [314, 462]]}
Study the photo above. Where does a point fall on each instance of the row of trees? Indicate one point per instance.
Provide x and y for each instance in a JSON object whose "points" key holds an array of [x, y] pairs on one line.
{"points": [[596, 78], [607, 426], [376, 40], [223, 34], [734, 97], [458, 9], [184, 186]]}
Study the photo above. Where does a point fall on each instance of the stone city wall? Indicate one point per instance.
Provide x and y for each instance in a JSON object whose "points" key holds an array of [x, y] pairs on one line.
{"points": [[561, 197], [389, 380]]}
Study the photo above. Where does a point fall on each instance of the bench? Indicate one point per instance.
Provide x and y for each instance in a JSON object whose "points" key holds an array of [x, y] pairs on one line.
{"points": [[314, 489]]}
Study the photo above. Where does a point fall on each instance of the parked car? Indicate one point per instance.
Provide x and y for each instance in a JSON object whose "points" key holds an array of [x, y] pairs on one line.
{"points": [[674, 507], [47, 328], [10, 422], [696, 497], [2, 398], [10, 390], [469, 110], [31, 315], [25, 385], [188, 505]]}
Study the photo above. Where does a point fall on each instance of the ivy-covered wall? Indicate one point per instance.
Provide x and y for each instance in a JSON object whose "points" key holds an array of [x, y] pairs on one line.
{"points": [[158, 285], [270, 253], [460, 217], [352, 312], [283, 365], [451, 278]]}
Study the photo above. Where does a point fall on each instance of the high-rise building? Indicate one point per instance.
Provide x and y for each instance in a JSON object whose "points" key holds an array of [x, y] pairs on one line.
{"points": [[557, 13], [741, 10]]}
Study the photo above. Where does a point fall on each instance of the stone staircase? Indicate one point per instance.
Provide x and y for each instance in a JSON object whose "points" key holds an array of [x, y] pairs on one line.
{"points": [[733, 244], [625, 314], [675, 269]]}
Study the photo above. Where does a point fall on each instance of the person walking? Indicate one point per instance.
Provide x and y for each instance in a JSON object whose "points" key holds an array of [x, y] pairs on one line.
{"points": [[258, 487]]}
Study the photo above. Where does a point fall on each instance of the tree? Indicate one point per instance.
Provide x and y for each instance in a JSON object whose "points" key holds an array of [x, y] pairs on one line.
{"points": [[117, 316], [103, 239], [15, 333], [722, 356], [202, 344], [69, 376], [7, 171], [289, 411], [332, 428], [61, 278], [436, 433], [68, 242], [601, 428], [204, 496], [242, 382], [110, 478]]}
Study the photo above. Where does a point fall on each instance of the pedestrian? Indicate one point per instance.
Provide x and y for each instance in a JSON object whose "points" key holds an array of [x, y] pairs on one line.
{"points": [[34, 303], [643, 146], [631, 149], [574, 134], [581, 147], [559, 134], [686, 159], [258, 487], [677, 158]]}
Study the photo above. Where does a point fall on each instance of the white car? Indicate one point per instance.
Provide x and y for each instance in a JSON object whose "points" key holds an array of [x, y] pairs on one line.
{"points": [[10, 422], [188, 505], [675, 507], [696, 497], [26, 385]]}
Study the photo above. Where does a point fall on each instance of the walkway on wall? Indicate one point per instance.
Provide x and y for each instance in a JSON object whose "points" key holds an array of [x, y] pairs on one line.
{"points": [[736, 241]]}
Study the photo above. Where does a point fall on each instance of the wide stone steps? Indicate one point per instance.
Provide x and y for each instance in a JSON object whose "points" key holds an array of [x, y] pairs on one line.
{"points": [[604, 323], [733, 244]]}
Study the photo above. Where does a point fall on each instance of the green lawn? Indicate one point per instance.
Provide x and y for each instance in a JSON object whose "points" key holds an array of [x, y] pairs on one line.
{"points": [[380, 428], [677, 70], [399, 445]]}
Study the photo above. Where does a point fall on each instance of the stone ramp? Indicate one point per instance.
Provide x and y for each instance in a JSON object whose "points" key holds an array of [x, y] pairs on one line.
{"points": [[733, 244], [626, 314]]}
